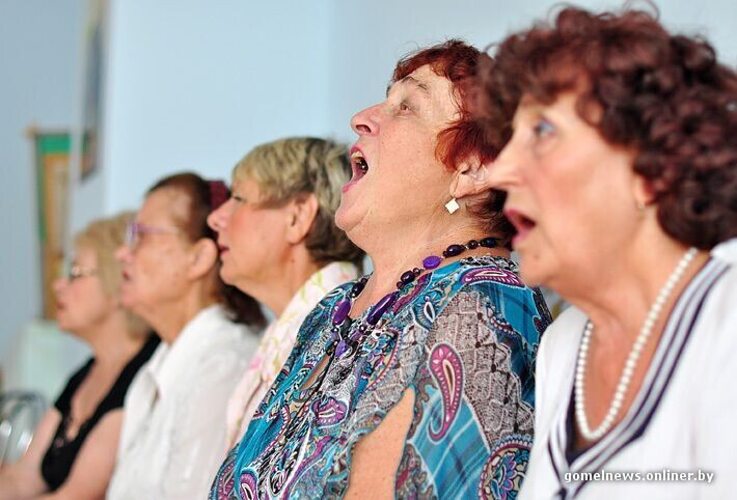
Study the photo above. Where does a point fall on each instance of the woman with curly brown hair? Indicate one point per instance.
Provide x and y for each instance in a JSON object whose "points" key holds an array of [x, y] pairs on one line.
{"points": [[621, 181]]}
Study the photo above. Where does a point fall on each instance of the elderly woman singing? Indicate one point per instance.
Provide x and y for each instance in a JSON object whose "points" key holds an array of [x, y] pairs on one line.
{"points": [[416, 380], [621, 180]]}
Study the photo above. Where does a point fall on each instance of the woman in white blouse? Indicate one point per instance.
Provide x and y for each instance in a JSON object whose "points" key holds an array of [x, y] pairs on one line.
{"points": [[279, 243], [172, 435], [621, 177]]}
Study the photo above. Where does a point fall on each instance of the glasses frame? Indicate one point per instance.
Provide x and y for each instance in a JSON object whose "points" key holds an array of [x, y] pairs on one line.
{"points": [[135, 229], [76, 271]]}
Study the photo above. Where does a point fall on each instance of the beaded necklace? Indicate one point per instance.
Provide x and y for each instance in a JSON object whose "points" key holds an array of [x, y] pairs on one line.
{"points": [[346, 340]]}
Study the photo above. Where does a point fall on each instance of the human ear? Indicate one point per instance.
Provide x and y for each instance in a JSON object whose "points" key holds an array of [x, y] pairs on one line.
{"points": [[470, 179], [203, 256], [302, 211]]}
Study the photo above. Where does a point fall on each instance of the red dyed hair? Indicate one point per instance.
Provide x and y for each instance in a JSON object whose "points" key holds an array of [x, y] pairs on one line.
{"points": [[467, 137], [666, 96]]}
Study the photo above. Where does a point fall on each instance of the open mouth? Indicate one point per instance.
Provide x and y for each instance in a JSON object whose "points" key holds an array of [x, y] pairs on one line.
{"points": [[222, 248], [522, 224], [358, 164]]}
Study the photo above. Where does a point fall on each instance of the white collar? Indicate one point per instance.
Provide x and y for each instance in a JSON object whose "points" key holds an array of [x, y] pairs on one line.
{"points": [[171, 360]]}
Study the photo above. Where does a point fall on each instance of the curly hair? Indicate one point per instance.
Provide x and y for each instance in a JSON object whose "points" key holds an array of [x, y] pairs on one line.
{"points": [[205, 196], [466, 137], [666, 96], [286, 168]]}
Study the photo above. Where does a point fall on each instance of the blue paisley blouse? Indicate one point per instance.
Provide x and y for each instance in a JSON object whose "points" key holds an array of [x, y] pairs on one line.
{"points": [[463, 337]]}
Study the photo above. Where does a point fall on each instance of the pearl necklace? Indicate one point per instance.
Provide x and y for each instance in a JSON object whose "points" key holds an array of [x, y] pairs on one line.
{"points": [[629, 367]]}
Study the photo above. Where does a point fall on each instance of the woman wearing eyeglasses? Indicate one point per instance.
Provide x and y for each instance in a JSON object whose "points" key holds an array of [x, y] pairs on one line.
{"points": [[73, 449], [171, 441]]}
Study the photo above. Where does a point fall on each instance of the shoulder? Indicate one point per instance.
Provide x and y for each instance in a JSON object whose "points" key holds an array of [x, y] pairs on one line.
{"points": [[491, 289]]}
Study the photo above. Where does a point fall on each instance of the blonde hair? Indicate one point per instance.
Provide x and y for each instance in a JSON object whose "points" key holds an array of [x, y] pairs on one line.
{"points": [[289, 167], [104, 237]]}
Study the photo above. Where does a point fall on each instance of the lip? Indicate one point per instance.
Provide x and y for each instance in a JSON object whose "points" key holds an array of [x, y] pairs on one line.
{"points": [[523, 225], [353, 180], [223, 249]]}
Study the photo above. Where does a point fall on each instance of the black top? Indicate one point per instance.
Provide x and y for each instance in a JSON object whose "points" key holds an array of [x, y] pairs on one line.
{"points": [[62, 452]]}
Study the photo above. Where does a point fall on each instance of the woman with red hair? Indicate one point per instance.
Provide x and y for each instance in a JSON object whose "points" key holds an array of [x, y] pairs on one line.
{"points": [[621, 180], [416, 380]]}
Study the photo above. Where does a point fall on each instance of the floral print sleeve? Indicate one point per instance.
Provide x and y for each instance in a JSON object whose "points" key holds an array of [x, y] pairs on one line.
{"points": [[472, 431]]}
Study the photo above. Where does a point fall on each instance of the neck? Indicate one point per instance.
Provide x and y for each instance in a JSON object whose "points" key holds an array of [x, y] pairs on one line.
{"points": [[112, 343], [393, 257], [626, 289], [169, 319], [276, 287]]}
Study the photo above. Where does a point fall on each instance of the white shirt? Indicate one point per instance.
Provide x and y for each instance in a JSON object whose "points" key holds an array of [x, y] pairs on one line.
{"points": [[682, 419], [172, 437], [276, 345]]}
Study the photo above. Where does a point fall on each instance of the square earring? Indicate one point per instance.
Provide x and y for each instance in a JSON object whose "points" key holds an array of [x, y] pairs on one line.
{"points": [[452, 206]]}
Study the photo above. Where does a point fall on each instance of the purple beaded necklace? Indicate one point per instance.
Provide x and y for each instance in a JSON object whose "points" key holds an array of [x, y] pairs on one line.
{"points": [[348, 343]]}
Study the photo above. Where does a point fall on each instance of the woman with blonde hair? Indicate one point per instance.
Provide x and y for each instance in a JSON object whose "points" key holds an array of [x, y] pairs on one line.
{"points": [[279, 243], [73, 450]]}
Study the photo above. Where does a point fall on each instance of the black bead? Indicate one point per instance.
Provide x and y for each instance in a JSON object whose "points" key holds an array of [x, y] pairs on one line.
{"points": [[488, 242], [417, 271], [472, 244], [407, 277], [454, 250]]}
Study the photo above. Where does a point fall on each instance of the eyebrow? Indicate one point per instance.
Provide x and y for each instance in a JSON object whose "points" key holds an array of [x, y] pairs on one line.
{"points": [[412, 80]]}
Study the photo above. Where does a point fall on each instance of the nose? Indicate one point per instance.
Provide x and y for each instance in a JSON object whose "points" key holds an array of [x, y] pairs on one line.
{"points": [[503, 173], [365, 122], [123, 254], [59, 284], [218, 218]]}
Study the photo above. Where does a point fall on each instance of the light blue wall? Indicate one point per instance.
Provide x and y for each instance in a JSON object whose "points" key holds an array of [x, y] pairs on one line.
{"points": [[195, 84], [369, 37], [39, 59]]}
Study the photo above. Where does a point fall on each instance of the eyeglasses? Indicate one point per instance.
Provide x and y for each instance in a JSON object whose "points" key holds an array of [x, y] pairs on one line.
{"points": [[76, 271], [136, 229]]}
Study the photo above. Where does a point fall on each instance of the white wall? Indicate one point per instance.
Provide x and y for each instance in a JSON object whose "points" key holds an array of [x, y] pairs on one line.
{"points": [[195, 84], [39, 57]]}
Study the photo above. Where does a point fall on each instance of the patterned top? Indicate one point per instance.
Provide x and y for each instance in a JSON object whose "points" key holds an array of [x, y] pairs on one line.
{"points": [[463, 337], [277, 343]]}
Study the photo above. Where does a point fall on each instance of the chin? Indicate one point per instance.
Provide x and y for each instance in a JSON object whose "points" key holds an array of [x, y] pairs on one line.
{"points": [[227, 275], [531, 272]]}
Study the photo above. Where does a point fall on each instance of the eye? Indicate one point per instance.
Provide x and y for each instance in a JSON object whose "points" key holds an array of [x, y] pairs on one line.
{"points": [[237, 198], [543, 128]]}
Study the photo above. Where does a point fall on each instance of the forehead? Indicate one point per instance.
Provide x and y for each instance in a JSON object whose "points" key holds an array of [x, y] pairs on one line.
{"points": [[164, 205], [427, 84]]}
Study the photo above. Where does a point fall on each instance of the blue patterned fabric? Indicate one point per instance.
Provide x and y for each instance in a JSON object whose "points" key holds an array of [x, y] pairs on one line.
{"points": [[463, 337]]}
